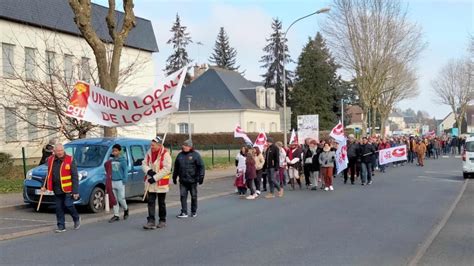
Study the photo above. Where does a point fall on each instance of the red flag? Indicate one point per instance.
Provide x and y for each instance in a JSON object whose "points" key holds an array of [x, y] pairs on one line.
{"points": [[240, 133], [108, 183], [338, 133]]}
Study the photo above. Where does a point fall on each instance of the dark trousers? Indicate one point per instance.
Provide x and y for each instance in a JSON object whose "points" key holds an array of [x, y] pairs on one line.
{"points": [[250, 185], [273, 179], [258, 180], [307, 175], [152, 206], [350, 167], [264, 180], [65, 202], [184, 189]]}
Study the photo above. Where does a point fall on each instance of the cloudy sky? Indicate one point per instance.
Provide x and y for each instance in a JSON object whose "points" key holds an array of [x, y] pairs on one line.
{"points": [[446, 26]]}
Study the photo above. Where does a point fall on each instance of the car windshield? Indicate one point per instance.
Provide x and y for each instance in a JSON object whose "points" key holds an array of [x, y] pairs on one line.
{"points": [[470, 146], [87, 156]]}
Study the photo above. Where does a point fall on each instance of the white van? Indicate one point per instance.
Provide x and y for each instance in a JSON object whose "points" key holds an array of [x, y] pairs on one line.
{"points": [[468, 158]]}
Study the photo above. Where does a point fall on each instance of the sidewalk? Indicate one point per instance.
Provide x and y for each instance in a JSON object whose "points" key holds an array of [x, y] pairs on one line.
{"points": [[16, 199]]}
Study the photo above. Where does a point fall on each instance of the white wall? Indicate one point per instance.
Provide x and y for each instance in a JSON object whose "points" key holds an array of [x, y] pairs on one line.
{"points": [[21, 35]]}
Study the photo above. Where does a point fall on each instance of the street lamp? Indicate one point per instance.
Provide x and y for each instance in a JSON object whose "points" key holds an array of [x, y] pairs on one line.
{"points": [[285, 130], [189, 98]]}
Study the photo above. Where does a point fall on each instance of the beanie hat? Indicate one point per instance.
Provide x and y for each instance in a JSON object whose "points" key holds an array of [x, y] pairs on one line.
{"points": [[158, 140], [188, 143], [270, 139]]}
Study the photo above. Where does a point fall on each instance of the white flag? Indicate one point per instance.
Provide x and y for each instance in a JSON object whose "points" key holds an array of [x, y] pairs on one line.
{"points": [[394, 154], [240, 133], [261, 141], [338, 133], [294, 137], [341, 156]]}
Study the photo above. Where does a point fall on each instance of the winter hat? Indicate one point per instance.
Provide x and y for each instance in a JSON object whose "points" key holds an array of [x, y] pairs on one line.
{"points": [[270, 140], [188, 143], [158, 140]]}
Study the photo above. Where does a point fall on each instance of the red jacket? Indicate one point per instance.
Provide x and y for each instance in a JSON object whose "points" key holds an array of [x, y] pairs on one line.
{"points": [[384, 146]]}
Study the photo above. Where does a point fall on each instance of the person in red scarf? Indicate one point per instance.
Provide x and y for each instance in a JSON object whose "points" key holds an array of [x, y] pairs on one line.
{"points": [[157, 167]]}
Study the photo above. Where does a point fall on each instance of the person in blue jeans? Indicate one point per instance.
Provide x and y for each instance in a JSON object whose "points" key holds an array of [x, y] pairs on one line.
{"points": [[119, 179]]}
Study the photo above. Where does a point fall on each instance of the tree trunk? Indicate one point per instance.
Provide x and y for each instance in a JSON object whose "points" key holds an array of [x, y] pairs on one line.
{"points": [[364, 121], [374, 120], [383, 123], [110, 132]]}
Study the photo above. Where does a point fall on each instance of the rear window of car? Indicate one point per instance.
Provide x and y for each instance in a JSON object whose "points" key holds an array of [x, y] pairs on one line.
{"points": [[470, 146]]}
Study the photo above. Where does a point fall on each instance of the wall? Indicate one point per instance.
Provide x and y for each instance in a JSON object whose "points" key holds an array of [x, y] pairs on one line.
{"points": [[21, 35]]}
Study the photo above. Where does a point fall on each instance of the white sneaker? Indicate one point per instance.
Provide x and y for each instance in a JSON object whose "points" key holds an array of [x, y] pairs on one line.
{"points": [[326, 189], [257, 192], [251, 197], [255, 195], [331, 188]]}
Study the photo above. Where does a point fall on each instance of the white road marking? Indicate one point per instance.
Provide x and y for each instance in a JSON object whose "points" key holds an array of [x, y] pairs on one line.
{"points": [[440, 179], [26, 220], [25, 226]]}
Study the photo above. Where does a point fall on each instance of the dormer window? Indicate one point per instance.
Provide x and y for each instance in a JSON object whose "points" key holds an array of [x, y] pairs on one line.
{"points": [[260, 97], [271, 100]]}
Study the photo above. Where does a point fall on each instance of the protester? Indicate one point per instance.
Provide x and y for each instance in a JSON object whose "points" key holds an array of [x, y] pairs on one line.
{"points": [[190, 170], [352, 147], [311, 162], [366, 151], [47, 151], [306, 172], [383, 145], [63, 180], [326, 160], [421, 152], [251, 173], [272, 166], [283, 170], [119, 179], [259, 163], [157, 166], [293, 160], [240, 163]]}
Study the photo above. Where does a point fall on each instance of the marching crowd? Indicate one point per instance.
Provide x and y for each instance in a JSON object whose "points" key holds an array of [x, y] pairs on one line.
{"points": [[314, 163]]}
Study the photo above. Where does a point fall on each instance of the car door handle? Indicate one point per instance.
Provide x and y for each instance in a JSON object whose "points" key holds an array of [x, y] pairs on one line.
{"points": [[132, 173]]}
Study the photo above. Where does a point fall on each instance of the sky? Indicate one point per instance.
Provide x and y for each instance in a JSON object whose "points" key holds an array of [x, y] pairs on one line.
{"points": [[446, 27]]}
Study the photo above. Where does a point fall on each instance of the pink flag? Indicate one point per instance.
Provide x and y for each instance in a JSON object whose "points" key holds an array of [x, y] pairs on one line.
{"points": [[240, 133], [338, 133]]}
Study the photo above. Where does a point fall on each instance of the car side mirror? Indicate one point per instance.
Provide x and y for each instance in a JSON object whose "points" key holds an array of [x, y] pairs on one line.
{"points": [[138, 162]]}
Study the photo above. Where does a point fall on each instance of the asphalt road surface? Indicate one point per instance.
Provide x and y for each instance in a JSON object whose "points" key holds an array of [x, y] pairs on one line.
{"points": [[381, 224]]}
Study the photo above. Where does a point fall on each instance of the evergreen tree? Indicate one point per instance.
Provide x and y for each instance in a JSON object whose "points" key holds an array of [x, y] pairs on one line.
{"points": [[180, 40], [273, 61], [224, 56], [315, 84]]}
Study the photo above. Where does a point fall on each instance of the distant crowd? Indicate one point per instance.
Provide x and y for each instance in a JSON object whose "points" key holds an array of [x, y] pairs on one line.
{"points": [[314, 162]]}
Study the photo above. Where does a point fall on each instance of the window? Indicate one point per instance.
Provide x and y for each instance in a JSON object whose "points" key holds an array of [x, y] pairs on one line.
{"points": [[8, 60], [68, 68], [50, 63], [86, 71], [262, 126], [273, 127], [11, 133], [87, 156], [30, 63], [137, 155], [172, 128], [251, 126], [183, 128], [53, 123], [32, 122]]}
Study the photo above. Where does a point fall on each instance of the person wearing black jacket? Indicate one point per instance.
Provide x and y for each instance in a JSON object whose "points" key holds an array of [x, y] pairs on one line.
{"points": [[272, 166], [311, 162], [366, 152], [352, 147], [190, 169]]}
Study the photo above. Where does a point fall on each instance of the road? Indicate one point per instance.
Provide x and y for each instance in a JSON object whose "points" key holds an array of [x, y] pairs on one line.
{"points": [[381, 224]]}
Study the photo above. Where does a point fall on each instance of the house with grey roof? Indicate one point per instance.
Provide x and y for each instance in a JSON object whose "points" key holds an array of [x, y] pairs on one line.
{"points": [[221, 99], [40, 39]]}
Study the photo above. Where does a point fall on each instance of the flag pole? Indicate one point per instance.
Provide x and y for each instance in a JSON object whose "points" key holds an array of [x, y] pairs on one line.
{"points": [[42, 193]]}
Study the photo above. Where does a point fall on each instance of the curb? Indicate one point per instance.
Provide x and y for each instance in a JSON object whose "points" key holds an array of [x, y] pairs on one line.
{"points": [[99, 219]]}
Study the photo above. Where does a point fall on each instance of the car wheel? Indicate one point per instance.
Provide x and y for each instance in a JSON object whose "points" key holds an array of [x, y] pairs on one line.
{"points": [[97, 200], [465, 175]]}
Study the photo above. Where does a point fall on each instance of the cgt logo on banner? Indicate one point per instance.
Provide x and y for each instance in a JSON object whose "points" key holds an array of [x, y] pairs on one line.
{"points": [[105, 108], [394, 154]]}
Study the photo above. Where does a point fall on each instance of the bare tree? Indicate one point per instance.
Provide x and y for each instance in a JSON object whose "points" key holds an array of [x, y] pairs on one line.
{"points": [[400, 85], [454, 87], [369, 38], [108, 67]]}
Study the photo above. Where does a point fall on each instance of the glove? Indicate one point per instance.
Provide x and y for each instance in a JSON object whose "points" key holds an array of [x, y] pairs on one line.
{"points": [[175, 181], [201, 180], [151, 180], [151, 173], [326, 162]]}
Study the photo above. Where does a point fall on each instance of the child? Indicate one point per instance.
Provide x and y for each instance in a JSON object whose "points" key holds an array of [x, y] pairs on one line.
{"points": [[240, 163]]}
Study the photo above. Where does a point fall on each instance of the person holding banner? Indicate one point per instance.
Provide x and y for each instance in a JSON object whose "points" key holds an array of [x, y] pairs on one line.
{"points": [[327, 159], [63, 180], [383, 145], [157, 167], [366, 153]]}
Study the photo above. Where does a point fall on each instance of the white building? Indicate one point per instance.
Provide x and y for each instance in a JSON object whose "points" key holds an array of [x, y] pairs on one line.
{"points": [[220, 100], [39, 37]]}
